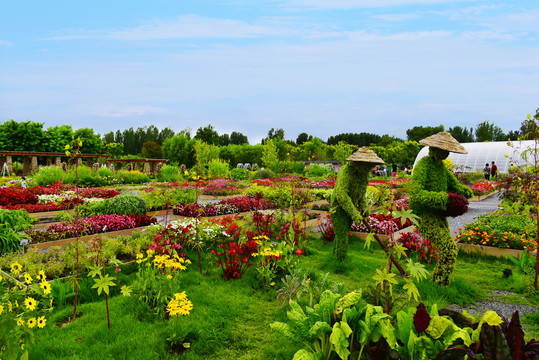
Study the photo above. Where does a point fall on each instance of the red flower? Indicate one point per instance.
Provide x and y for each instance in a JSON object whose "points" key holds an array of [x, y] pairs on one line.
{"points": [[421, 319]]}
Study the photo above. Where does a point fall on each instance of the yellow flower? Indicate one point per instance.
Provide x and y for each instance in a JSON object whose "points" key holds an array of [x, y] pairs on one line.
{"points": [[31, 322], [10, 306], [27, 278], [20, 322], [41, 321], [1, 309], [169, 277], [16, 268], [272, 283], [180, 296], [46, 287], [30, 303], [41, 276]]}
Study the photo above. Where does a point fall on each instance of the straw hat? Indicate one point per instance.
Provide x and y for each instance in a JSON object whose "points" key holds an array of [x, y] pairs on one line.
{"points": [[444, 140], [364, 154]]}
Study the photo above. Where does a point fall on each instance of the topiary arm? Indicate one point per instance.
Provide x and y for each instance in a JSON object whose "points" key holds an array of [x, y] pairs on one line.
{"points": [[453, 185]]}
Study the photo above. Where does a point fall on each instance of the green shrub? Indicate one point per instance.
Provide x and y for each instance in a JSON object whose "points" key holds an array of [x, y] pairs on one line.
{"points": [[125, 204], [105, 172], [86, 176], [315, 170], [263, 174], [132, 177], [218, 169], [168, 173], [49, 175], [239, 174]]}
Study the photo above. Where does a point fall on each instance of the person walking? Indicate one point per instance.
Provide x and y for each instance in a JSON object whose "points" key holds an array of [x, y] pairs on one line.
{"points": [[486, 171], [493, 171]]}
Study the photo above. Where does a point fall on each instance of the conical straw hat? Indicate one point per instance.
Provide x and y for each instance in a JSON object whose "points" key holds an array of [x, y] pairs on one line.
{"points": [[364, 154], [444, 140]]}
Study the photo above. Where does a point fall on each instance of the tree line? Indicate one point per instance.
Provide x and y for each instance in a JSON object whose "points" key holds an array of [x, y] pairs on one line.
{"points": [[181, 148]]}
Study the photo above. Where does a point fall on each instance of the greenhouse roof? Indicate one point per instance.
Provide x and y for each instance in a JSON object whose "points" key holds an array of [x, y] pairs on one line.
{"points": [[503, 153]]}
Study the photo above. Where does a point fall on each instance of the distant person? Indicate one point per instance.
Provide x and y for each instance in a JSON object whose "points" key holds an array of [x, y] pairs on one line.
{"points": [[494, 171], [486, 171], [394, 169], [23, 183]]}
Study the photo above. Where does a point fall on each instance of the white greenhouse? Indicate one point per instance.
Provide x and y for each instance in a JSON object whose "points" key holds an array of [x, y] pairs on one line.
{"points": [[480, 153]]}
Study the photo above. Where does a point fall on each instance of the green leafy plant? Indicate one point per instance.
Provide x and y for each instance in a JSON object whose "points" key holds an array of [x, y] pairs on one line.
{"points": [[12, 225]]}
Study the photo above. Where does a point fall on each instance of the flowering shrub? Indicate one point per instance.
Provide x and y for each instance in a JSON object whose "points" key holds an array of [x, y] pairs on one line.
{"points": [[220, 187], [381, 224], [416, 243], [456, 206], [485, 187], [325, 229], [506, 232], [34, 208], [268, 261], [15, 195], [224, 207], [88, 226], [248, 203], [234, 259]]}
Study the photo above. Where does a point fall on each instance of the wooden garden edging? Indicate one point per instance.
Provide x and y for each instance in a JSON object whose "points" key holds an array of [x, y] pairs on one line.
{"points": [[489, 250], [483, 197], [385, 238]]}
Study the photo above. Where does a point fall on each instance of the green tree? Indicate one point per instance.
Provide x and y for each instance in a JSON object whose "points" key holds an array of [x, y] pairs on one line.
{"points": [[274, 134], [91, 143], [205, 153], [237, 138], [208, 135], [420, 132], [56, 138], [485, 131], [23, 136], [152, 150], [314, 149], [361, 139], [224, 139], [303, 138], [342, 151], [115, 150], [269, 154], [179, 149], [164, 134], [462, 135]]}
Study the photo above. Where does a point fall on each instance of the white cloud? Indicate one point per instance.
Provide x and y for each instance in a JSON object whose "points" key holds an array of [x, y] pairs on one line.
{"points": [[396, 17], [352, 4], [182, 27], [5, 43], [121, 111]]}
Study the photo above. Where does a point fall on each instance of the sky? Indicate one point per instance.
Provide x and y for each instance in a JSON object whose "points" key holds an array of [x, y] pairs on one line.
{"points": [[323, 67]]}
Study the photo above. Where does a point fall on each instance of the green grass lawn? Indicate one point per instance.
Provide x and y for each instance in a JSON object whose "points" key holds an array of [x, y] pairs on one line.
{"points": [[230, 319]]}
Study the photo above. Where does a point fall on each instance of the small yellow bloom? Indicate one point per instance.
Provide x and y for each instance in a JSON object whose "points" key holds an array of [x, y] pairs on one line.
{"points": [[41, 322], [169, 276], [46, 287], [20, 322], [16, 268], [31, 322], [27, 278], [41, 276], [30, 303], [272, 283], [1, 309]]}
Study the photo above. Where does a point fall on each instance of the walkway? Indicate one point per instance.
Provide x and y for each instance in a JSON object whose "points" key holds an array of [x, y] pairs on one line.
{"points": [[475, 209]]}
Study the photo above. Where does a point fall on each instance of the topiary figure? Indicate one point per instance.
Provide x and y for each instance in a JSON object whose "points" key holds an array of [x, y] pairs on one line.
{"points": [[429, 199], [348, 199]]}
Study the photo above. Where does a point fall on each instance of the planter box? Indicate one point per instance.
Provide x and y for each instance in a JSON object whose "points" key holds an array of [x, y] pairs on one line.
{"points": [[482, 197], [489, 250], [63, 242], [385, 238]]}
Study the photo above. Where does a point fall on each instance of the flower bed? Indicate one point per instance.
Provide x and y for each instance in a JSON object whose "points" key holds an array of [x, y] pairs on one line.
{"points": [[506, 232], [226, 206], [485, 187], [88, 226]]}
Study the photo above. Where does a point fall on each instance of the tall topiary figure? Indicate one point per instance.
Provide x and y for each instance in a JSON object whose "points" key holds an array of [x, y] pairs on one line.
{"points": [[433, 188], [348, 198]]}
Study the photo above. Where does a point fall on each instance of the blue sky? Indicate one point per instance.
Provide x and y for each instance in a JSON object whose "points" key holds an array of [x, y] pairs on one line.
{"points": [[318, 66]]}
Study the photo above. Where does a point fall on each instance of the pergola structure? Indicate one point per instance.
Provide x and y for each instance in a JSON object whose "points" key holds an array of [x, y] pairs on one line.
{"points": [[151, 166], [30, 159]]}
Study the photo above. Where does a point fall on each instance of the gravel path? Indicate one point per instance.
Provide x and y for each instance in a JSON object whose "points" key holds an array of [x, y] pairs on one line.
{"points": [[475, 209]]}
